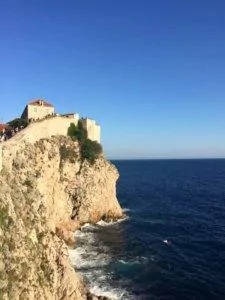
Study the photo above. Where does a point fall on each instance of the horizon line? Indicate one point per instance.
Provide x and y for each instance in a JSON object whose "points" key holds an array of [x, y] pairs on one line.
{"points": [[167, 158]]}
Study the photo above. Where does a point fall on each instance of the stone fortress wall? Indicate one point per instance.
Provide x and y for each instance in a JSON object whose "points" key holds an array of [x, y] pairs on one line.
{"points": [[39, 109], [45, 129], [92, 128]]}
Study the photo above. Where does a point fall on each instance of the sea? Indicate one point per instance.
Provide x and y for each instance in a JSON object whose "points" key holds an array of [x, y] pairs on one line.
{"points": [[172, 243]]}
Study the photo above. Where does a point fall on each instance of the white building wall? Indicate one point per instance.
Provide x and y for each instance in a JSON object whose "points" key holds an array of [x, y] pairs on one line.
{"points": [[71, 116], [93, 129], [39, 112], [97, 133]]}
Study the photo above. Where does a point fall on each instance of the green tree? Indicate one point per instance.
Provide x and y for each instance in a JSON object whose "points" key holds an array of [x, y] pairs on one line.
{"points": [[77, 132], [91, 150], [82, 135], [18, 122], [72, 130]]}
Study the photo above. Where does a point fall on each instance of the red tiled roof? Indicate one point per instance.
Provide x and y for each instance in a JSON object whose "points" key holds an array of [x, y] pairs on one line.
{"points": [[38, 103], [3, 126]]}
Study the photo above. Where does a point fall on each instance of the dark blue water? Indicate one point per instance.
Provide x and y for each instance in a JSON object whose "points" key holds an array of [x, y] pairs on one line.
{"points": [[181, 201]]}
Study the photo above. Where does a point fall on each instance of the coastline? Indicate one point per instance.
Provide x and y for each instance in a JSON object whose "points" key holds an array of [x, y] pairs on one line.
{"points": [[45, 196], [91, 258]]}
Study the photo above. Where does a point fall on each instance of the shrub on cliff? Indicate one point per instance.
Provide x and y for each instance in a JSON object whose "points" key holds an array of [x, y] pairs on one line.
{"points": [[72, 130], [77, 132], [67, 153], [91, 150]]}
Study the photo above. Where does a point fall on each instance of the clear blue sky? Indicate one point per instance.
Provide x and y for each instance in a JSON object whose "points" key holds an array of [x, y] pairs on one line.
{"points": [[152, 73]]}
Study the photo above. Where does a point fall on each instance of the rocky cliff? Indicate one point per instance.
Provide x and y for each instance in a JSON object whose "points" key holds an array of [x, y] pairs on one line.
{"points": [[47, 191]]}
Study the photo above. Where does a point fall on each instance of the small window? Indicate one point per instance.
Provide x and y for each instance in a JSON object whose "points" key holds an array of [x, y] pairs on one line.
{"points": [[35, 109]]}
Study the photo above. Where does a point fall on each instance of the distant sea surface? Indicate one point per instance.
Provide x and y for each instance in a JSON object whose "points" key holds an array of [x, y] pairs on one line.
{"points": [[172, 245]]}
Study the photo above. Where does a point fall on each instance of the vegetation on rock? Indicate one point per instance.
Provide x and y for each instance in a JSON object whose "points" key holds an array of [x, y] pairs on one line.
{"points": [[89, 150], [67, 153], [77, 132], [18, 122]]}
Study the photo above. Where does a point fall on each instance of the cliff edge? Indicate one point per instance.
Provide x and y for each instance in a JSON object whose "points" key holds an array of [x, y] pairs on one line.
{"points": [[47, 191]]}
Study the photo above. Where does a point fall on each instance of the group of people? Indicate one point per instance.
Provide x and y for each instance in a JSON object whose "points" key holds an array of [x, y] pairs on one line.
{"points": [[44, 118], [7, 133]]}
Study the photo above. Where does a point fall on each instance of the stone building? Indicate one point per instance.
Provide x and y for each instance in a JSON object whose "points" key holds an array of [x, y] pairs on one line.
{"points": [[37, 109], [92, 129]]}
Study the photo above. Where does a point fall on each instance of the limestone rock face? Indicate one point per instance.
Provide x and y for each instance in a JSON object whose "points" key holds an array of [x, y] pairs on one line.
{"points": [[96, 193], [46, 193]]}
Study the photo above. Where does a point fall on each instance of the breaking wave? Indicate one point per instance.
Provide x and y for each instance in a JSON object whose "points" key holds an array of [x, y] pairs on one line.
{"points": [[92, 258]]}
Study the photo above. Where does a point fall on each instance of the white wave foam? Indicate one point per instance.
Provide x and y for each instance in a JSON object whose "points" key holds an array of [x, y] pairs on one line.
{"points": [[87, 236], [126, 210], [88, 226], [138, 260], [88, 256], [91, 258], [75, 257], [79, 233], [122, 261], [103, 223], [111, 293]]}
